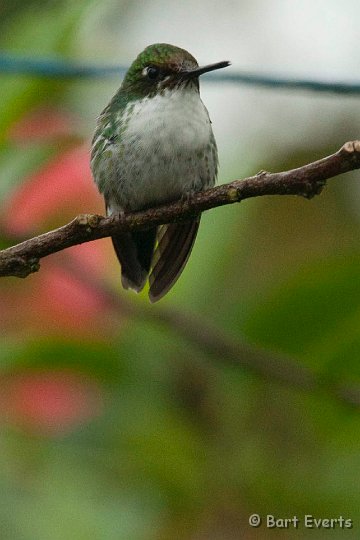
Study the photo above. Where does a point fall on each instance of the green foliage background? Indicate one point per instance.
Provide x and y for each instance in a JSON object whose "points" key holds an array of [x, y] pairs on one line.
{"points": [[185, 446]]}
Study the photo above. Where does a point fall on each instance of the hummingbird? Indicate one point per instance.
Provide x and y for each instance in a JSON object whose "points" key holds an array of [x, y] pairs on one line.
{"points": [[153, 145]]}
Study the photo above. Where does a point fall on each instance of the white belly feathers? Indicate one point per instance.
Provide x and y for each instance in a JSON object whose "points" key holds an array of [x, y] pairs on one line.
{"points": [[165, 150]]}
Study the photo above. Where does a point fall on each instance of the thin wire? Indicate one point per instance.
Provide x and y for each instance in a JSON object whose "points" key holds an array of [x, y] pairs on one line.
{"points": [[56, 68], [271, 81]]}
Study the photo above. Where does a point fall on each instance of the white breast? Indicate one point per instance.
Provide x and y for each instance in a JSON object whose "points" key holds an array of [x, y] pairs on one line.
{"points": [[178, 117], [166, 149]]}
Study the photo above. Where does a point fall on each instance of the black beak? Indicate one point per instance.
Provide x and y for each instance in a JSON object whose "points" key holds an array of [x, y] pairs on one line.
{"points": [[200, 70]]}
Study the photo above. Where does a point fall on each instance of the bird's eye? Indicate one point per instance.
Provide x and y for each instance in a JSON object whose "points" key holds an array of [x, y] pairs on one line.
{"points": [[152, 73]]}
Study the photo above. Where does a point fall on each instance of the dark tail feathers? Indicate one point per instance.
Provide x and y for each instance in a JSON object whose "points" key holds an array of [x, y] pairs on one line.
{"points": [[135, 252]]}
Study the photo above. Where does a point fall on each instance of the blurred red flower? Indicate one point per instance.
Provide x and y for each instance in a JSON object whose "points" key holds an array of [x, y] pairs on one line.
{"points": [[55, 301], [54, 193], [49, 403], [43, 123]]}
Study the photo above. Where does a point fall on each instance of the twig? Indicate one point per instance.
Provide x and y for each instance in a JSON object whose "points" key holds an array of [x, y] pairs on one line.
{"points": [[217, 343], [307, 181]]}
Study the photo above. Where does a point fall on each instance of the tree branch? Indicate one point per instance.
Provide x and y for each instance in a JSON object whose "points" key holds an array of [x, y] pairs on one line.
{"points": [[217, 344], [23, 259]]}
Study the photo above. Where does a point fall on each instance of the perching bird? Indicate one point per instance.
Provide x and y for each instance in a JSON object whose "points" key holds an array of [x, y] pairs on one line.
{"points": [[153, 145]]}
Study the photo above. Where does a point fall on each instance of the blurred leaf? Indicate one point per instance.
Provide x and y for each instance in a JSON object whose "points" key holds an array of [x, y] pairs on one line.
{"points": [[65, 497], [94, 358], [16, 164], [41, 30], [314, 314]]}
